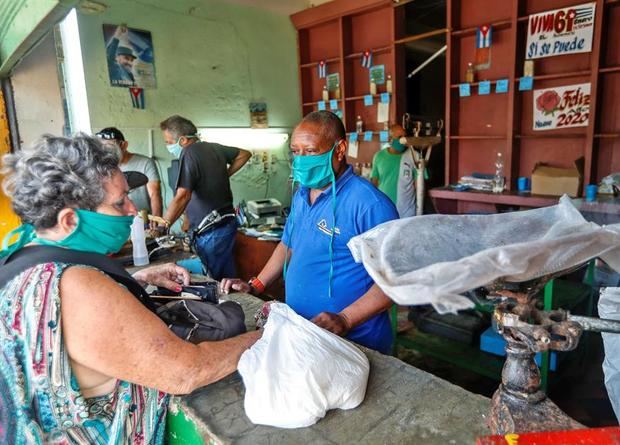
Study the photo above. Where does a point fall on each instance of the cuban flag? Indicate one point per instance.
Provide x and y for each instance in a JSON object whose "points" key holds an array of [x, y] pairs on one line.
{"points": [[322, 69], [483, 36], [137, 97], [367, 59]]}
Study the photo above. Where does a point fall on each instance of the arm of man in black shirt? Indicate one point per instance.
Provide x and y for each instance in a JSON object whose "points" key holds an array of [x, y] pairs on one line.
{"points": [[242, 157], [177, 205]]}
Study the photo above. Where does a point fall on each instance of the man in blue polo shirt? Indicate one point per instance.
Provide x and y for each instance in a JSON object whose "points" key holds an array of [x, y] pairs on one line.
{"points": [[323, 282]]}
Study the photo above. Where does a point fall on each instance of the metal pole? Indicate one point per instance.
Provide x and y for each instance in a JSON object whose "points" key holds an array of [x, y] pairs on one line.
{"points": [[427, 61], [596, 324]]}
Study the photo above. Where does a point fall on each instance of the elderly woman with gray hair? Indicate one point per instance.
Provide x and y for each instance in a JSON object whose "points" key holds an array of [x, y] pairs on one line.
{"points": [[83, 361]]}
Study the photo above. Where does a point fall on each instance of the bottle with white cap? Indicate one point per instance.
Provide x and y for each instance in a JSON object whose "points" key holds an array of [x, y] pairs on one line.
{"points": [[138, 239]]}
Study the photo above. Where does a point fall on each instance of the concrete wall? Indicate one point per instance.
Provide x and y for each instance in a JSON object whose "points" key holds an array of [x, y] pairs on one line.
{"points": [[211, 61], [36, 92]]}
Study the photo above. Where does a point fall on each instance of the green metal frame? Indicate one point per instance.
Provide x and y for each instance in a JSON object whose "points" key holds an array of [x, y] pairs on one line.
{"points": [[479, 361]]}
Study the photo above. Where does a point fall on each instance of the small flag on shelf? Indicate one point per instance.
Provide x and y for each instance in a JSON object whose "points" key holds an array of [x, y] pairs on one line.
{"points": [[322, 69], [483, 36], [483, 46], [137, 97], [367, 59]]}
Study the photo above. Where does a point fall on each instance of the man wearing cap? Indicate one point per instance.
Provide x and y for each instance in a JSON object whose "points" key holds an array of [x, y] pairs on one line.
{"points": [[202, 187], [148, 196], [120, 58]]}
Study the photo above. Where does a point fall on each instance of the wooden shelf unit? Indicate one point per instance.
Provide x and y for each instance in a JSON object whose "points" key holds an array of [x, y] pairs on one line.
{"points": [[339, 32], [510, 114]]}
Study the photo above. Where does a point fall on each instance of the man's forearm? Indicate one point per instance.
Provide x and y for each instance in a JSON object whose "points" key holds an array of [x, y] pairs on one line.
{"points": [[154, 192], [273, 268], [176, 208], [368, 305], [243, 157]]}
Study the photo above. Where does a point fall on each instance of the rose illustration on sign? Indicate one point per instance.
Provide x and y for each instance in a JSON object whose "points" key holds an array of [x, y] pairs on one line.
{"points": [[548, 102]]}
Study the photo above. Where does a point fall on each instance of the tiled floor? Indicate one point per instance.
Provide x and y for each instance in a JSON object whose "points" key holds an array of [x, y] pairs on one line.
{"points": [[578, 390]]}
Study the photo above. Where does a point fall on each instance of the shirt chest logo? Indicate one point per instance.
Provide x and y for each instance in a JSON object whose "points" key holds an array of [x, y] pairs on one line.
{"points": [[322, 225]]}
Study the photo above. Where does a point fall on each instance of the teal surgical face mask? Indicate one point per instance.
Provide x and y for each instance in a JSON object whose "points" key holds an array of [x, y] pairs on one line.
{"points": [[94, 232], [396, 145], [314, 172], [175, 149]]}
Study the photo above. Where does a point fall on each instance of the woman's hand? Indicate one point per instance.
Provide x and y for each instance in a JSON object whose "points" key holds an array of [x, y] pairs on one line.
{"points": [[167, 275]]}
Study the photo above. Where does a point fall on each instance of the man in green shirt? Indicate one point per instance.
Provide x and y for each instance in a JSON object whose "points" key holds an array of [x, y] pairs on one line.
{"points": [[392, 173]]}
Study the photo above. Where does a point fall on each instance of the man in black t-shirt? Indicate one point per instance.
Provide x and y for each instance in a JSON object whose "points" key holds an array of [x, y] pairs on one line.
{"points": [[203, 186]]}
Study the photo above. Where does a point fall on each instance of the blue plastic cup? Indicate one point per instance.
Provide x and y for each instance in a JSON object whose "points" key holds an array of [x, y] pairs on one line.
{"points": [[591, 191], [523, 184]]}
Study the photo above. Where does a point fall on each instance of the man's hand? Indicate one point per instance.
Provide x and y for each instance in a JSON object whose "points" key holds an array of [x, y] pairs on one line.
{"points": [[332, 322], [167, 275], [121, 32], [236, 284]]}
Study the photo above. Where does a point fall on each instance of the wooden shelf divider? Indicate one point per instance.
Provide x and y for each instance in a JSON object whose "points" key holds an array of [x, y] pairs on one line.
{"points": [[473, 137], [383, 49], [610, 69], [425, 35], [315, 64], [501, 24]]}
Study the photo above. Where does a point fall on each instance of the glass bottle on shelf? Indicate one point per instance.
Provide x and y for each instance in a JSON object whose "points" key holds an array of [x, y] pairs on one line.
{"points": [[359, 125], [388, 84], [337, 91], [373, 87], [357, 169], [498, 179], [469, 74], [325, 93]]}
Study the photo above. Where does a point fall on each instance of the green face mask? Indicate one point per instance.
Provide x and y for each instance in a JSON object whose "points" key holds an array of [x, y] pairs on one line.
{"points": [[396, 145], [95, 232], [314, 172]]}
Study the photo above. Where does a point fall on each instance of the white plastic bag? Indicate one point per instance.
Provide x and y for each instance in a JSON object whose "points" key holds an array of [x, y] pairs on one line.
{"points": [[609, 307], [297, 372], [434, 258]]}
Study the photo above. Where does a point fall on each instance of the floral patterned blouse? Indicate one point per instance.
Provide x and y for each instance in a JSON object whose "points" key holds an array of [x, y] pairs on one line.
{"points": [[40, 400]]}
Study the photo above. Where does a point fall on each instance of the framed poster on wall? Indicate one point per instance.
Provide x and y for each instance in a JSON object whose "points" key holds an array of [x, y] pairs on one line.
{"points": [[129, 54], [562, 107], [561, 31]]}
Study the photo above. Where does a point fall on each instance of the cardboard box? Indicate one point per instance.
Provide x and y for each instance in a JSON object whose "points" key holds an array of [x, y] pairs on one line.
{"points": [[555, 181]]}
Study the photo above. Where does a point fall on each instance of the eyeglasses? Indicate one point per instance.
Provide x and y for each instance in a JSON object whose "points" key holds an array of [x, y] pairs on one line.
{"points": [[110, 135], [106, 136]]}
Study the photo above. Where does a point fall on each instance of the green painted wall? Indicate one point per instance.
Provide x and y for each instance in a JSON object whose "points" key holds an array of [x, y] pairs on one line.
{"points": [[211, 59], [23, 23]]}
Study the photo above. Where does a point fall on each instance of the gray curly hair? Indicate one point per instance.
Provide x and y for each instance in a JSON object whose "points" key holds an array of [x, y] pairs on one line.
{"points": [[55, 173]]}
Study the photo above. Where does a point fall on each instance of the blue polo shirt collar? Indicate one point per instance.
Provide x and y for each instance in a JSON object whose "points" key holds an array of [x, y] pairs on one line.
{"points": [[340, 182]]}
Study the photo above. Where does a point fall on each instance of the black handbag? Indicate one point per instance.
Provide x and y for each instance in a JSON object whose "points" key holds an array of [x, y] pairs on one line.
{"points": [[191, 320]]}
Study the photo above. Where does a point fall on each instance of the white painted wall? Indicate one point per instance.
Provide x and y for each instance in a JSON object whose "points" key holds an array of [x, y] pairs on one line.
{"points": [[36, 90]]}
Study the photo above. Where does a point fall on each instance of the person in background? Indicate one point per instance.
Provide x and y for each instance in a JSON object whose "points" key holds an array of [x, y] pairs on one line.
{"points": [[84, 361], [203, 186], [392, 173], [323, 282], [121, 58], [148, 196]]}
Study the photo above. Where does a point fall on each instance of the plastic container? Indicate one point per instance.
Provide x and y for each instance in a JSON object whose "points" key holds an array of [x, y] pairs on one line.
{"points": [[359, 125], [138, 240], [325, 94], [591, 192], [498, 179]]}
